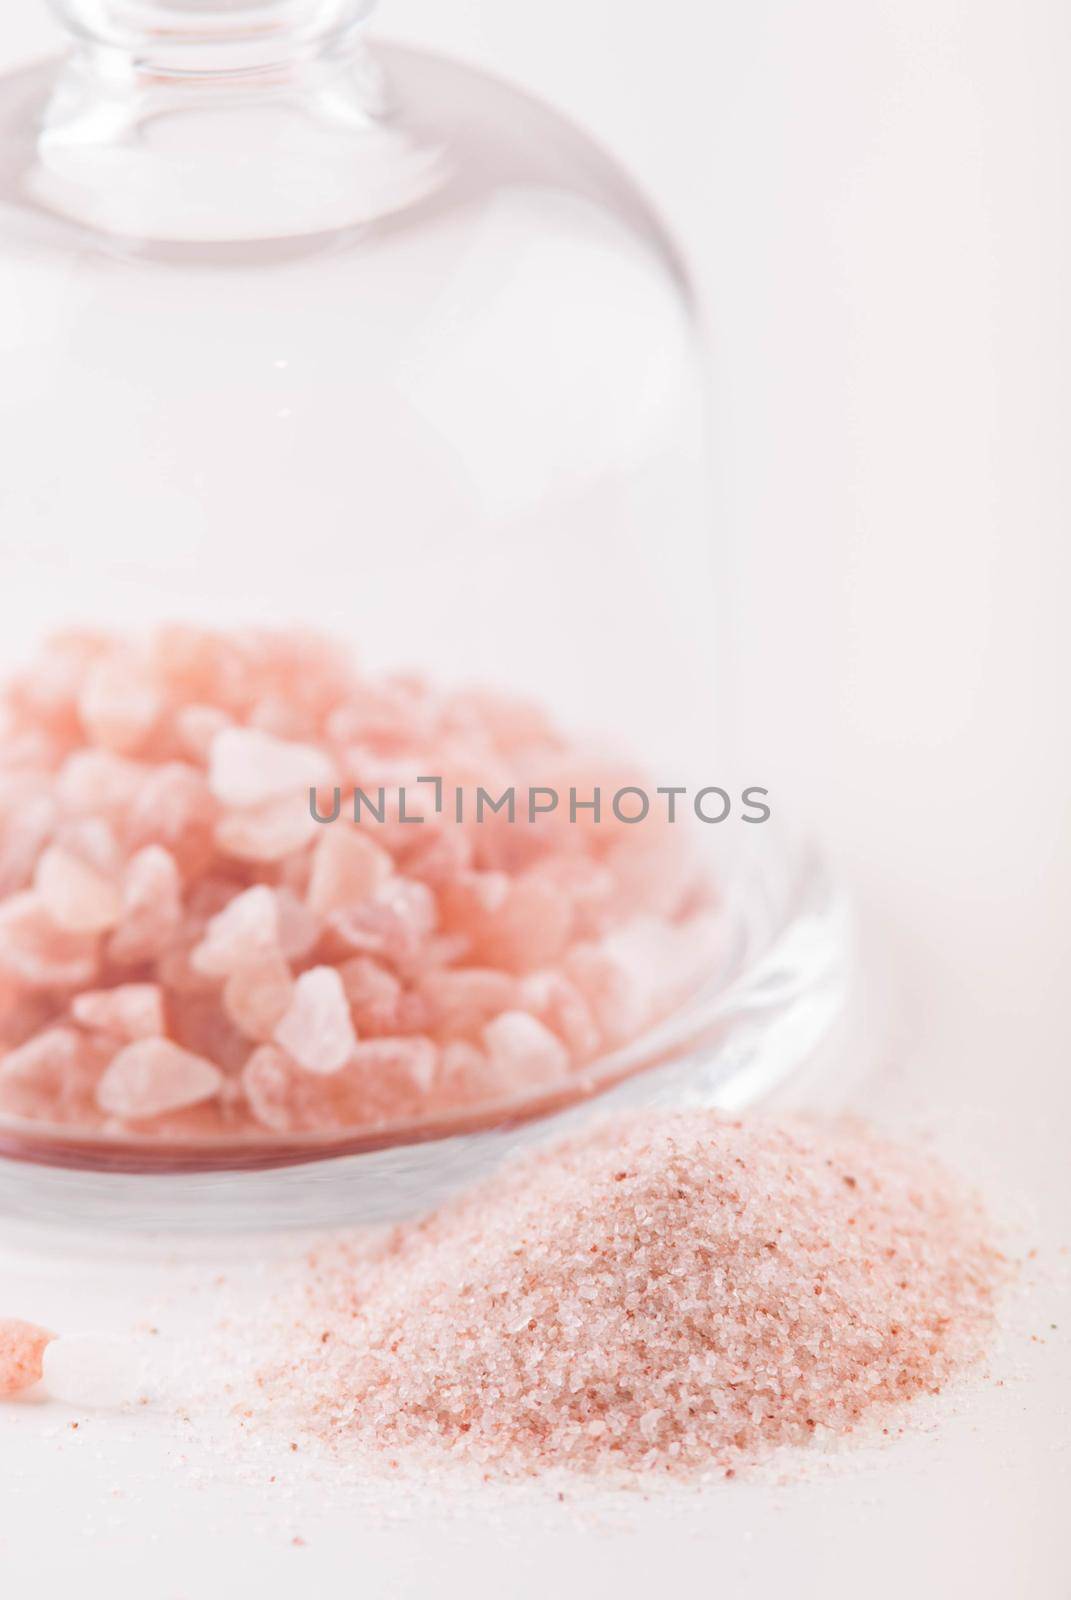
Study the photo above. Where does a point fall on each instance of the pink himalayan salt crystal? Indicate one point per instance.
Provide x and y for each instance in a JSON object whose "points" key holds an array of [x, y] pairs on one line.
{"points": [[257, 998], [666, 1293], [22, 1344], [316, 1029], [299, 928], [347, 869], [40, 954], [52, 1076], [97, 783], [75, 896], [202, 1025], [638, 971], [383, 1081], [269, 832], [529, 927], [151, 1076], [27, 823], [151, 912], [47, 693], [559, 1004], [395, 924], [375, 997], [523, 1053], [459, 1001], [130, 1010], [244, 934], [118, 704], [93, 841], [22, 1012], [248, 767], [196, 726], [174, 808]]}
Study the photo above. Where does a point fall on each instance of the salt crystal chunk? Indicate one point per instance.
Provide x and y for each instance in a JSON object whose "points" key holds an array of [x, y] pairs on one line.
{"points": [[532, 928], [174, 808], [374, 995], [27, 823], [299, 928], [151, 907], [395, 924], [96, 781], [118, 704], [130, 1010], [524, 1050], [92, 840], [460, 1002], [317, 1030], [22, 1345], [256, 998], [561, 1006], [244, 934], [347, 868], [76, 897], [38, 952], [92, 1370], [269, 832], [44, 1073], [197, 726], [383, 1081], [248, 767], [152, 1076]]}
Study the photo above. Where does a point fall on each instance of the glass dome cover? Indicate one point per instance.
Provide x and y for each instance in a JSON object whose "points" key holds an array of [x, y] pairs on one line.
{"points": [[311, 338]]}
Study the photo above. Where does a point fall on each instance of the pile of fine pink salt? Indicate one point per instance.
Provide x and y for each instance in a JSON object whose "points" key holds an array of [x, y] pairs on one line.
{"points": [[669, 1293], [186, 953]]}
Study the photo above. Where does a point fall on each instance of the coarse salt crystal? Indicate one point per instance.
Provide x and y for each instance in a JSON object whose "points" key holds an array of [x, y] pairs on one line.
{"points": [[524, 1050], [39, 953], [119, 704], [316, 1030], [130, 1010], [244, 934], [151, 1076], [347, 868], [22, 1346], [75, 896], [248, 767]]}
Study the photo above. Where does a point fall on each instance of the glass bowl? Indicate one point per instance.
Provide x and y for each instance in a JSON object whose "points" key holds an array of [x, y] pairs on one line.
{"points": [[782, 986]]}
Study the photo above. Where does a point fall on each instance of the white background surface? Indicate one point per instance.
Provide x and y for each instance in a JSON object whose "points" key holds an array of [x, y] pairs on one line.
{"points": [[874, 197]]}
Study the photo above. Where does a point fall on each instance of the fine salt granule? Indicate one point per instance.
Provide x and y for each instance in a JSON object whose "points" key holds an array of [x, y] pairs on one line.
{"points": [[671, 1292], [186, 954]]}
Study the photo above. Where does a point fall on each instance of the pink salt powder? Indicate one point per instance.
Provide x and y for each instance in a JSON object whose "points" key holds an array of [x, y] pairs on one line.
{"points": [[669, 1292], [177, 931], [22, 1344]]}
